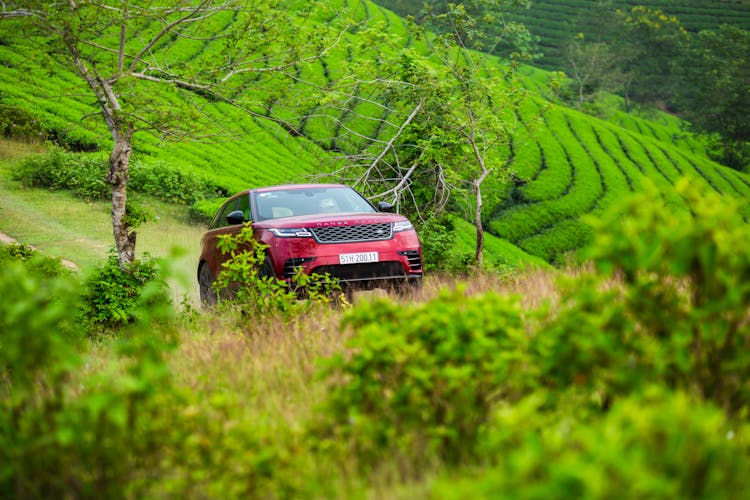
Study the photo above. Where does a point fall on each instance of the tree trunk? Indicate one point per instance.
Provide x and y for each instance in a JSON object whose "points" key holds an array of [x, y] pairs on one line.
{"points": [[478, 222], [118, 177]]}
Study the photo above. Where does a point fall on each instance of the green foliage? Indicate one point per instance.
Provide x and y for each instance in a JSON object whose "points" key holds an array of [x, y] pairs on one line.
{"points": [[247, 277], [659, 445], [135, 215], [84, 174], [556, 21], [37, 332], [418, 381], [669, 305], [17, 123], [204, 210], [33, 260], [63, 429], [718, 92], [681, 315], [438, 237], [114, 297], [59, 169], [70, 424], [558, 394], [169, 184]]}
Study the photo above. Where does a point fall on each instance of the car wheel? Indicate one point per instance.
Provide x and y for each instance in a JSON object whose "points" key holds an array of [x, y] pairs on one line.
{"points": [[205, 280], [266, 269]]}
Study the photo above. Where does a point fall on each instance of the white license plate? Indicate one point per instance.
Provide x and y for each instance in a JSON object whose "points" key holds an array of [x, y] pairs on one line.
{"points": [[358, 258]]}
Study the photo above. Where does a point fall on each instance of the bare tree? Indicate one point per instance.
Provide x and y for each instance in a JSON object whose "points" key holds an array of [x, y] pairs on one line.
{"points": [[131, 53], [447, 126], [593, 69]]}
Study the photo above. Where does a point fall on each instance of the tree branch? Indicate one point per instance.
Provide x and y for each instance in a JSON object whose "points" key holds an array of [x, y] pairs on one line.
{"points": [[392, 141]]}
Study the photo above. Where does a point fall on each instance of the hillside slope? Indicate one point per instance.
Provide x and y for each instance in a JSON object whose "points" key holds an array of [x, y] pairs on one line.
{"points": [[557, 21], [571, 166]]}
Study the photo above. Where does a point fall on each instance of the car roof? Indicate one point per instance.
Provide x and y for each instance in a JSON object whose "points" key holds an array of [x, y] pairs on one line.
{"points": [[283, 187]]}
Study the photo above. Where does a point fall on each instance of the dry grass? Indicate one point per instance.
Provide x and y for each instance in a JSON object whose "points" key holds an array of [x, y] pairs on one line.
{"points": [[272, 363]]}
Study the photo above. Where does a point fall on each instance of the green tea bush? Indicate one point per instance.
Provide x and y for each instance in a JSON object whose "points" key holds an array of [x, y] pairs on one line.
{"points": [[83, 174], [418, 381], [204, 210], [662, 444], [114, 297]]}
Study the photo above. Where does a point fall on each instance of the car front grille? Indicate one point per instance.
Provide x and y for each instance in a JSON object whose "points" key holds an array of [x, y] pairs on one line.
{"points": [[361, 232]]}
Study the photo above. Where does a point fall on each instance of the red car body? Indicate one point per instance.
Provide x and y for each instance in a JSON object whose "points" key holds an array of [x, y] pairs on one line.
{"points": [[321, 228]]}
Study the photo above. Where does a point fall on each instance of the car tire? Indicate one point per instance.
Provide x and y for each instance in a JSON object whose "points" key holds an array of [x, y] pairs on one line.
{"points": [[208, 295], [266, 269]]}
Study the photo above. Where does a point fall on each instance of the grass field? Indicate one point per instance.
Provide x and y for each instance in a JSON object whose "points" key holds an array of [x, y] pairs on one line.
{"points": [[61, 225]]}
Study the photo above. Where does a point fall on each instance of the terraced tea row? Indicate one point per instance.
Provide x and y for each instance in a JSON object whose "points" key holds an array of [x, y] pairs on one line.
{"points": [[556, 22], [586, 165]]}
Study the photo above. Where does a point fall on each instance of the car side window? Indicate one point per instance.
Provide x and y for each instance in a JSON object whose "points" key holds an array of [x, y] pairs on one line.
{"points": [[243, 203], [221, 217]]}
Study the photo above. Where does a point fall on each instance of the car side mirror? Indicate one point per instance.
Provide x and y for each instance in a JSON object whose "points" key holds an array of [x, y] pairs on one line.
{"points": [[384, 206], [236, 217]]}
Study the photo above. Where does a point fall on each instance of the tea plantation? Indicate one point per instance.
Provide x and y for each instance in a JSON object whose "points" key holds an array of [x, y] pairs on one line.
{"points": [[569, 164]]}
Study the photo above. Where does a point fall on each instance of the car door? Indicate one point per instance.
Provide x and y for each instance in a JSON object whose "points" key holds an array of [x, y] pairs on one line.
{"points": [[219, 226]]}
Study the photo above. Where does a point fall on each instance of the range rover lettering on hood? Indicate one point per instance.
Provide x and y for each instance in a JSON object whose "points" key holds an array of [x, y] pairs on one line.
{"points": [[347, 222]]}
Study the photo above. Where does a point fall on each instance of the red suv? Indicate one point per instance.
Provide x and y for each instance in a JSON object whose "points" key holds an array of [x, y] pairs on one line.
{"points": [[322, 228]]}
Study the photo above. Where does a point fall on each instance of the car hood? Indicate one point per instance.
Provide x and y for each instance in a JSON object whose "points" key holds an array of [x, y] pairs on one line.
{"points": [[329, 220]]}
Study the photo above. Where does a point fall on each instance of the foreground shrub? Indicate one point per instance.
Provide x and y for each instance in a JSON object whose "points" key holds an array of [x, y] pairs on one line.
{"points": [[112, 423], [114, 297], [418, 381], [659, 445], [66, 431], [38, 334], [670, 304]]}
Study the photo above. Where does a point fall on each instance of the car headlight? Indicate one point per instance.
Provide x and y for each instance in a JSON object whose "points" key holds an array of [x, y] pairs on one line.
{"points": [[291, 232], [403, 225]]}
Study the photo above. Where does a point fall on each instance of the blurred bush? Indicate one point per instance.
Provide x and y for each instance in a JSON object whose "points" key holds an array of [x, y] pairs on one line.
{"points": [[661, 444], [418, 381], [114, 297]]}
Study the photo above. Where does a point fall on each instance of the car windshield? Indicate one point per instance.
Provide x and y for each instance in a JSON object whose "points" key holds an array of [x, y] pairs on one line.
{"points": [[309, 201]]}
